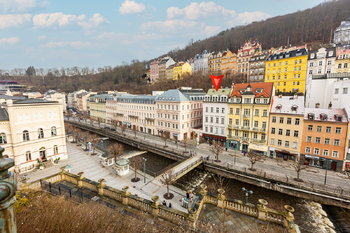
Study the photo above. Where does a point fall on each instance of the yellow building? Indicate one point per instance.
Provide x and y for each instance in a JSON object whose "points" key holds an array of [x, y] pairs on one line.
{"points": [[169, 72], [97, 106], [214, 63], [248, 117], [342, 62], [180, 69], [228, 63], [287, 70], [286, 127]]}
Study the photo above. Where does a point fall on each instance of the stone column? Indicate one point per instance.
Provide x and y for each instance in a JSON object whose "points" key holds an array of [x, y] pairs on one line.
{"points": [[101, 186], [203, 189], [80, 179], [262, 209], [221, 198], [289, 217], [192, 216], [125, 195], [155, 204], [8, 188]]}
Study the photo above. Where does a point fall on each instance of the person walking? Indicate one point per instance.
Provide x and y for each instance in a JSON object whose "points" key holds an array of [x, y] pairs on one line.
{"points": [[188, 194], [164, 203], [169, 204]]}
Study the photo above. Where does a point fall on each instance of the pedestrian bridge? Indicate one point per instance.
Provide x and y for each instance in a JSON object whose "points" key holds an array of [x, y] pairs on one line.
{"points": [[183, 168], [133, 154]]}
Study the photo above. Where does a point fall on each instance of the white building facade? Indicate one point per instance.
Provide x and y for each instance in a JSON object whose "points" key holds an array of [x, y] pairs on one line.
{"points": [[200, 62]]}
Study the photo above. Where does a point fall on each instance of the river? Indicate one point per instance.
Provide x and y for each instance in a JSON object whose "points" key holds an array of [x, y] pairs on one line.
{"points": [[311, 217]]}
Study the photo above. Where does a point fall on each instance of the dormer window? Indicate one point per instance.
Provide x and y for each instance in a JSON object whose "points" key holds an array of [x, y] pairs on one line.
{"points": [[258, 101], [323, 117], [294, 108], [311, 116], [330, 53], [312, 55], [338, 117], [278, 107], [258, 90]]}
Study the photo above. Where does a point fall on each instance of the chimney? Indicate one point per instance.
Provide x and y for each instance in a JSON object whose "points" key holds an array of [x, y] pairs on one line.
{"points": [[280, 96]]}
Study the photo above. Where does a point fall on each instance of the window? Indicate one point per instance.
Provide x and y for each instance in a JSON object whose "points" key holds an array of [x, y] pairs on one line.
{"points": [[329, 63], [263, 136], [308, 139], [264, 125], [319, 128], [316, 151], [206, 109], [53, 131], [325, 153], [272, 141], [318, 140], [246, 123], [337, 130], [336, 142], [289, 120], [206, 129], [3, 138], [256, 124], [211, 109], [25, 135], [336, 91], [310, 127], [222, 120], [287, 132], [217, 110], [55, 149], [326, 141], [297, 121], [265, 113], [211, 119], [281, 120], [230, 121], [335, 154], [279, 143], [273, 130], [237, 111], [286, 144], [237, 122], [280, 131], [256, 112], [222, 110], [217, 120], [345, 90], [28, 156], [296, 133], [295, 145], [307, 150], [255, 136], [273, 119]]}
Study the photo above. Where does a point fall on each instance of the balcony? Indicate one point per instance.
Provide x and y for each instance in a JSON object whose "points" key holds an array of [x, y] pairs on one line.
{"points": [[263, 129], [246, 115], [236, 126], [245, 127], [149, 119]]}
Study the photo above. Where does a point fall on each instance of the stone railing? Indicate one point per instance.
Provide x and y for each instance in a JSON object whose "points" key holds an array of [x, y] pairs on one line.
{"points": [[153, 207]]}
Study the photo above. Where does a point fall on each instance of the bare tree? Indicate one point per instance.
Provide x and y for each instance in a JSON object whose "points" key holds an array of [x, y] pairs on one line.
{"points": [[253, 158], [68, 114], [115, 124], [99, 120], [168, 178], [86, 136], [134, 130], [298, 166], [217, 149], [185, 142], [116, 150], [94, 139], [86, 116], [68, 129], [165, 136], [136, 163], [123, 128]]}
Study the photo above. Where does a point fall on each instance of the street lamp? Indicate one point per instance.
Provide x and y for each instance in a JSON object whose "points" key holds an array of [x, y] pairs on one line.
{"points": [[246, 194], [325, 176], [235, 154], [144, 170]]}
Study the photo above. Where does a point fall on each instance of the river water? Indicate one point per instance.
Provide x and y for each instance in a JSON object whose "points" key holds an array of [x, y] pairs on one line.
{"points": [[311, 217]]}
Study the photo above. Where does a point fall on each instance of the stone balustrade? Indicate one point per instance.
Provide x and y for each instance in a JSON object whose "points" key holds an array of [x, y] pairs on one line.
{"points": [[153, 207]]}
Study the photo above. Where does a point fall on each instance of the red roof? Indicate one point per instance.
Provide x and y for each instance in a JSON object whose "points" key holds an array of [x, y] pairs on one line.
{"points": [[266, 89]]}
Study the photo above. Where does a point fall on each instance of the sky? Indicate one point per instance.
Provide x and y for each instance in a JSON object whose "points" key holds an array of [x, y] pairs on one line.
{"points": [[97, 33]]}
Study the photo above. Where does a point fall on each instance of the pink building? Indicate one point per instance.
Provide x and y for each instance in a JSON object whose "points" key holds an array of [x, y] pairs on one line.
{"points": [[154, 70], [111, 109]]}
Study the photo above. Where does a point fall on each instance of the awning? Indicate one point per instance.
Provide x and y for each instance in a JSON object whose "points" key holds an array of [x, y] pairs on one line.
{"points": [[258, 147], [285, 152], [313, 157]]}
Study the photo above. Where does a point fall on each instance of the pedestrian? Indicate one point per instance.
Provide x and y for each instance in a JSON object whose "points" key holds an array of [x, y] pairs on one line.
{"points": [[226, 148], [164, 203], [191, 197], [169, 204], [188, 194]]}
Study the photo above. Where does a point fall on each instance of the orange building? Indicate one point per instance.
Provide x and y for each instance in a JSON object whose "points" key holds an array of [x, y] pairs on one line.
{"points": [[324, 138], [228, 63], [245, 53]]}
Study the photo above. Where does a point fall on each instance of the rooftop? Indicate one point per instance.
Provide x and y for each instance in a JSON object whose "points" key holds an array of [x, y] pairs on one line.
{"points": [[4, 116], [287, 104], [222, 91], [330, 113], [258, 89], [35, 101], [288, 54]]}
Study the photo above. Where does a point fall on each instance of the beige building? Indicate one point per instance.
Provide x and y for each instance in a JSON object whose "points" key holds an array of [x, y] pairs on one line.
{"points": [[53, 95], [286, 127], [32, 129]]}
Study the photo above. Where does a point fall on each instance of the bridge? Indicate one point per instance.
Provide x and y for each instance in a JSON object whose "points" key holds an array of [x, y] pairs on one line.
{"points": [[133, 154], [183, 168]]}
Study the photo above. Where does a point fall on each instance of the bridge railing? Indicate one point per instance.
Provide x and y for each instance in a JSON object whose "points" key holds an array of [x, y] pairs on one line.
{"points": [[185, 169]]}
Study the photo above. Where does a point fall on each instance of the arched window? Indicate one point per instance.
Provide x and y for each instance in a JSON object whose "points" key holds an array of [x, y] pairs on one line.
{"points": [[26, 135], [3, 139], [40, 133], [28, 156], [53, 131], [35, 115], [49, 114], [20, 117], [42, 153], [55, 149], [26, 117]]}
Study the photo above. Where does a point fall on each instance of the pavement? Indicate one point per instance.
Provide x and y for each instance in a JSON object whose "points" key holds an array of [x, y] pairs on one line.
{"points": [[270, 165], [81, 161]]}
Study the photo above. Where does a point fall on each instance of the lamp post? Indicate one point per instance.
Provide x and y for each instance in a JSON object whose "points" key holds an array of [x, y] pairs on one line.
{"points": [[235, 155], [325, 176], [246, 194], [144, 170]]}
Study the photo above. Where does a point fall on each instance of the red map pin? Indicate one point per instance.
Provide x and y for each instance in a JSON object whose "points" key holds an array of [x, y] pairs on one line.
{"points": [[216, 81]]}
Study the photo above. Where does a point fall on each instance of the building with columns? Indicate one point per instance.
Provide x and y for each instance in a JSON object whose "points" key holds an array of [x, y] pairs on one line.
{"points": [[32, 129], [179, 111]]}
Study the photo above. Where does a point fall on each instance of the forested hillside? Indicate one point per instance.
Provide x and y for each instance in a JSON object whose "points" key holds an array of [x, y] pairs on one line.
{"points": [[310, 26]]}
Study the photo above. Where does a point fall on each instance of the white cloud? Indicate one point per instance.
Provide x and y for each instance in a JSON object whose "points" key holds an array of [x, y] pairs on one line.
{"points": [[41, 37], [11, 40], [53, 19], [93, 21], [106, 35], [211, 30], [17, 6], [172, 25], [14, 20], [74, 44], [200, 10], [248, 17], [131, 7]]}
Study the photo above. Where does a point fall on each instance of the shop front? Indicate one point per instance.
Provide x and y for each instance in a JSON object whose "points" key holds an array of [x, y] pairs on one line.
{"points": [[286, 155], [258, 149], [175, 136], [315, 161], [232, 144], [212, 139]]}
